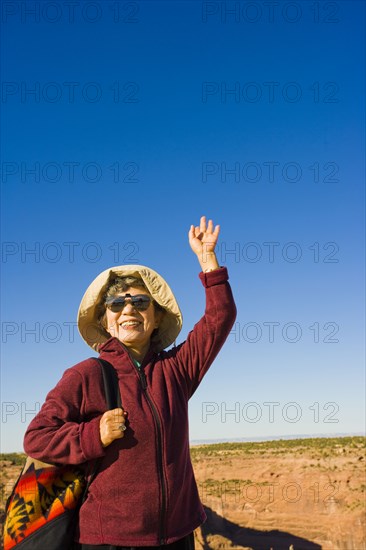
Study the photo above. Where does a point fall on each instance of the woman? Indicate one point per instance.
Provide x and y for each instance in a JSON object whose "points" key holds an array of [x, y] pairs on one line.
{"points": [[144, 494]]}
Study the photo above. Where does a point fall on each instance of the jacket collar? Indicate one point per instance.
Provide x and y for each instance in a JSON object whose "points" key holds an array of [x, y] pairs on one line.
{"points": [[114, 349]]}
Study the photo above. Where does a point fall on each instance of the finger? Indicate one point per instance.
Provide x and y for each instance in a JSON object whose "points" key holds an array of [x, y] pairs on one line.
{"points": [[120, 421], [210, 226], [203, 224], [121, 427], [117, 423], [115, 416], [116, 411], [192, 233], [120, 430], [217, 231]]}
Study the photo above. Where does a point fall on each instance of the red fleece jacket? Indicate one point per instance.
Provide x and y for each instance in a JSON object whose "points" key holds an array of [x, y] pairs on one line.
{"points": [[145, 493]]}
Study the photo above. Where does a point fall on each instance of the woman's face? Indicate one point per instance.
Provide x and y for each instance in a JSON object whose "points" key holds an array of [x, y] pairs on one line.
{"points": [[133, 327]]}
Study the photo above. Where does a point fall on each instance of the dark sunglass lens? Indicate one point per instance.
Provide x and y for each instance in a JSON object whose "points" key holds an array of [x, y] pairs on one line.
{"points": [[116, 305], [141, 302]]}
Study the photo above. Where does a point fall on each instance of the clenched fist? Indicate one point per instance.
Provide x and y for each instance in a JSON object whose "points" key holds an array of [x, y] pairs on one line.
{"points": [[112, 426]]}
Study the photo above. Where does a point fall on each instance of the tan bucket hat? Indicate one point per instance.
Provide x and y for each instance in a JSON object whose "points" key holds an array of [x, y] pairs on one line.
{"points": [[88, 323]]}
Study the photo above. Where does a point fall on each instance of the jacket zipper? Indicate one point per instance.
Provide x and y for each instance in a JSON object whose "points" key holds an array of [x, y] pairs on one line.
{"points": [[160, 454]]}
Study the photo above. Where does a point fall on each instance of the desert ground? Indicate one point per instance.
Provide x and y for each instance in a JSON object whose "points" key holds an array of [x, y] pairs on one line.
{"points": [[299, 494]]}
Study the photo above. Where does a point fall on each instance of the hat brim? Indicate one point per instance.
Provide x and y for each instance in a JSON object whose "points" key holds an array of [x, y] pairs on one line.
{"points": [[88, 323]]}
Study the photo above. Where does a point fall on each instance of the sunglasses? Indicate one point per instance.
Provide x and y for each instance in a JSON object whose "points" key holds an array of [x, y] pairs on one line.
{"points": [[140, 302]]}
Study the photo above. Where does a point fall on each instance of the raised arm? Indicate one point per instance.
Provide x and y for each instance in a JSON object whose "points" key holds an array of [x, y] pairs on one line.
{"points": [[196, 354]]}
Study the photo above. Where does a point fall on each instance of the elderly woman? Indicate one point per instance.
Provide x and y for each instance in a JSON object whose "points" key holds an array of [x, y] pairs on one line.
{"points": [[144, 494]]}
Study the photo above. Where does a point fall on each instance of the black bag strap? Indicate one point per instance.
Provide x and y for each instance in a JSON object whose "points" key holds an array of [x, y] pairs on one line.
{"points": [[111, 387], [113, 401]]}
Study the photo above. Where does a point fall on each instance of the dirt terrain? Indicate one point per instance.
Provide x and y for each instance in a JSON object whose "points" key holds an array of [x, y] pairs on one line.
{"points": [[306, 494], [283, 495]]}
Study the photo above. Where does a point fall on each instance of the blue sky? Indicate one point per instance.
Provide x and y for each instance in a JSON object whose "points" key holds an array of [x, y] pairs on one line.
{"points": [[146, 115]]}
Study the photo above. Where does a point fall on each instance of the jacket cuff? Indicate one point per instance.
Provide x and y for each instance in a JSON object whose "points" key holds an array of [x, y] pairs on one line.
{"points": [[90, 442], [216, 277]]}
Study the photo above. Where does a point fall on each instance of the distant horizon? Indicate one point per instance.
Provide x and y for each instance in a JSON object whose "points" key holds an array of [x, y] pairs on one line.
{"points": [[276, 438], [197, 442]]}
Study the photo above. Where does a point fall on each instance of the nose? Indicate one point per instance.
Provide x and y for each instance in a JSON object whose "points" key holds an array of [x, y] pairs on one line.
{"points": [[128, 306]]}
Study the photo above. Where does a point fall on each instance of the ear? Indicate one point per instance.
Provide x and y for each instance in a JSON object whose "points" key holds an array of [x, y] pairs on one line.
{"points": [[158, 317]]}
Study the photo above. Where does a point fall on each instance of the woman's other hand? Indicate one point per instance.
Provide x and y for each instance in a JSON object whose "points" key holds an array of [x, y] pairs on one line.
{"points": [[112, 426]]}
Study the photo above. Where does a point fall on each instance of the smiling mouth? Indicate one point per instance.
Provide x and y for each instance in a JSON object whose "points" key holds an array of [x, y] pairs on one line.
{"points": [[127, 324]]}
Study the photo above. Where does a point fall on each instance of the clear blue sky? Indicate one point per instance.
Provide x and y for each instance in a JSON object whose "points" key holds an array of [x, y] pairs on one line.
{"points": [[146, 115]]}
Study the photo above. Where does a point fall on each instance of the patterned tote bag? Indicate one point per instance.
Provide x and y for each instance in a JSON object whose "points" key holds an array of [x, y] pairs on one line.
{"points": [[42, 511]]}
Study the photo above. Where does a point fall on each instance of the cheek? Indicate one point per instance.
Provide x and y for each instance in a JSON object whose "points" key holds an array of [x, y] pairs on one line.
{"points": [[110, 318], [150, 322]]}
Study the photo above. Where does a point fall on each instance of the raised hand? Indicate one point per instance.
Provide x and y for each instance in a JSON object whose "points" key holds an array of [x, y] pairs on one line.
{"points": [[203, 240]]}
